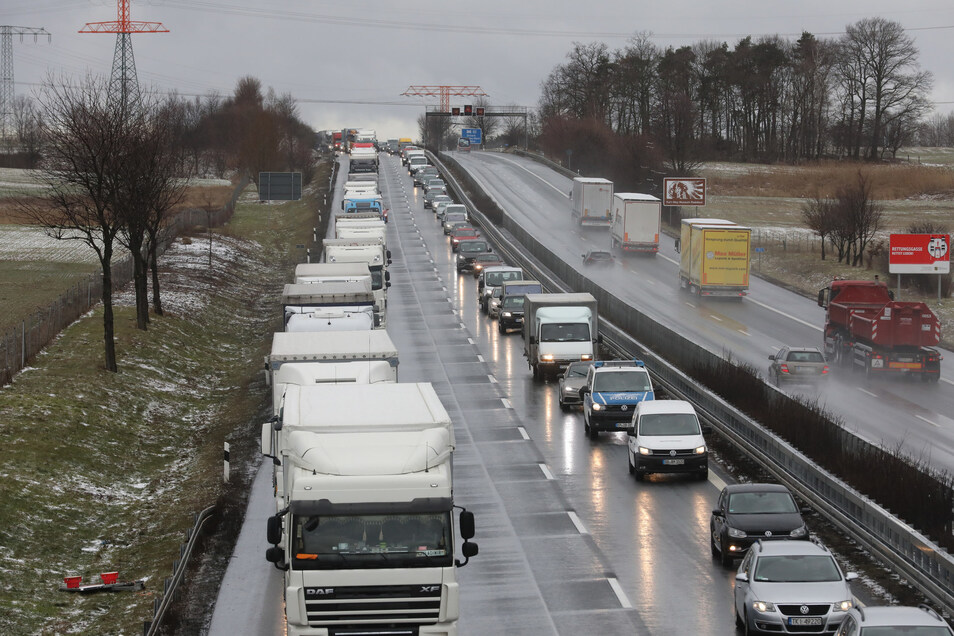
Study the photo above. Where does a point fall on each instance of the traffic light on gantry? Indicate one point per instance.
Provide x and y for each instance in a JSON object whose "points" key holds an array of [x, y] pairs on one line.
{"points": [[455, 111], [480, 111], [468, 110]]}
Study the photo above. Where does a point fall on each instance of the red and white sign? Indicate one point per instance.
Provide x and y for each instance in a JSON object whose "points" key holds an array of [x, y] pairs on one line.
{"points": [[684, 191], [920, 254]]}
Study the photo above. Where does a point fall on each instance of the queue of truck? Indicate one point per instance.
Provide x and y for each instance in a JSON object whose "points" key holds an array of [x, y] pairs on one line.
{"points": [[364, 529]]}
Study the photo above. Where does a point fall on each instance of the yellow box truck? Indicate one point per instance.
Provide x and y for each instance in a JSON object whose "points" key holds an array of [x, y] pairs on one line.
{"points": [[714, 257]]}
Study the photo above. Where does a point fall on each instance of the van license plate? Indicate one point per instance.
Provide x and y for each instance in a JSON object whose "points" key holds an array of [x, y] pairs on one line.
{"points": [[673, 462]]}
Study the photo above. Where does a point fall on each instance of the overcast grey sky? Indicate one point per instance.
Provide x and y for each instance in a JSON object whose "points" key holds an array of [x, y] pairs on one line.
{"points": [[347, 62]]}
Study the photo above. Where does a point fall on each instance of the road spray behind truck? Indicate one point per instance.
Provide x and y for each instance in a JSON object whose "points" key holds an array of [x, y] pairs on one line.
{"points": [[636, 222], [356, 357], [714, 257], [592, 200], [365, 530], [559, 329]]}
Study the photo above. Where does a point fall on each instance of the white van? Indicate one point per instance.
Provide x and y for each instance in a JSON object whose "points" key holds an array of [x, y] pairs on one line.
{"points": [[665, 437]]}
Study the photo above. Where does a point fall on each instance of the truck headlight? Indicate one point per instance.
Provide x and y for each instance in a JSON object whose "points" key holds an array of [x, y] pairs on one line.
{"points": [[763, 606], [586, 357], [547, 357], [645, 451], [597, 407], [699, 450]]}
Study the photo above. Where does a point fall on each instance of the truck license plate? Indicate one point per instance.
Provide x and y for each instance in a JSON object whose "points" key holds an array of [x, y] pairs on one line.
{"points": [[673, 462], [805, 620]]}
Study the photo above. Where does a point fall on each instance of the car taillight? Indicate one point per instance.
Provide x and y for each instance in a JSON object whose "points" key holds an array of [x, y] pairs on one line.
{"points": [[783, 368], [825, 369]]}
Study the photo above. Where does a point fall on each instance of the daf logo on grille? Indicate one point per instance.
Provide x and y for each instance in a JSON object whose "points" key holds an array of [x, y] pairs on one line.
{"points": [[768, 533], [319, 591], [803, 609], [672, 453], [624, 408]]}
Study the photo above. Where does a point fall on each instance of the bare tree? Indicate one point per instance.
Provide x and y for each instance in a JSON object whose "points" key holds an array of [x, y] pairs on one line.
{"points": [[28, 122], [85, 143], [860, 217], [819, 215], [888, 64]]}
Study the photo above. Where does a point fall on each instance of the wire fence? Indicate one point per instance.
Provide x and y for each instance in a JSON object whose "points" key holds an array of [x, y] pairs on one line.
{"points": [[20, 345]]}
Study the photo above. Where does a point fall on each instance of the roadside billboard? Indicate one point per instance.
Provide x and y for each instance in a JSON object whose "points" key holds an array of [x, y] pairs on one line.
{"points": [[920, 254], [684, 191]]}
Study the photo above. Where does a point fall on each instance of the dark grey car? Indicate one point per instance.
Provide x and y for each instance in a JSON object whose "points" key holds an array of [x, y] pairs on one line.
{"points": [[748, 512]]}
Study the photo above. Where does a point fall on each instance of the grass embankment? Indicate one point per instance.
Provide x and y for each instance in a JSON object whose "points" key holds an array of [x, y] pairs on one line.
{"points": [[103, 471]]}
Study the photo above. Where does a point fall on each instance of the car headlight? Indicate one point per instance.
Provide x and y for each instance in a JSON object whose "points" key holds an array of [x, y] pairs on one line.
{"points": [[586, 356], [699, 450], [798, 533], [763, 606], [547, 357], [597, 407], [505, 314], [644, 451], [844, 606], [735, 532]]}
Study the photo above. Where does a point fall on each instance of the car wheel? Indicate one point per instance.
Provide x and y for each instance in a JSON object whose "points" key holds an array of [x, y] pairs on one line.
{"points": [[500, 329], [747, 628], [563, 406], [713, 549], [725, 557], [594, 434], [703, 476], [738, 619], [776, 379], [632, 467], [639, 476]]}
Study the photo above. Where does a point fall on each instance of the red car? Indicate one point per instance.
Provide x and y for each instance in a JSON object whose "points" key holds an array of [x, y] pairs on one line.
{"points": [[463, 233]]}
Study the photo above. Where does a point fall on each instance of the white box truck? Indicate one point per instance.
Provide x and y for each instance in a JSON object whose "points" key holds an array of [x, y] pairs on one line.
{"points": [[356, 357], [370, 251], [636, 222], [592, 201], [302, 302], [559, 329], [366, 537]]}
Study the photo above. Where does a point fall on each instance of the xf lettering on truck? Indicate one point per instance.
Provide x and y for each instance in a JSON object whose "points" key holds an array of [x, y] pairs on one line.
{"points": [[429, 589]]}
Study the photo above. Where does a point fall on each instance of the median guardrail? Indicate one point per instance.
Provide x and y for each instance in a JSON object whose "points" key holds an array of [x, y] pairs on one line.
{"points": [[624, 327]]}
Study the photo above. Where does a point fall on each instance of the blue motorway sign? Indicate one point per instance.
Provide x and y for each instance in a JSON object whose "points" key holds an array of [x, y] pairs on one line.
{"points": [[473, 134]]}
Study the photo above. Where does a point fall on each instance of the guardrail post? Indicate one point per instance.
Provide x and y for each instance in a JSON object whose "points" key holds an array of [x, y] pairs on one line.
{"points": [[225, 458]]}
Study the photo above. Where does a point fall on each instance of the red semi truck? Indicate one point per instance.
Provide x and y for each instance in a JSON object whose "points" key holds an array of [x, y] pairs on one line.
{"points": [[870, 331]]}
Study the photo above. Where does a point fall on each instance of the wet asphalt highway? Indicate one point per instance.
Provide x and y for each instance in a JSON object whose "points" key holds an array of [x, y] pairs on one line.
{"points": [[889, 411], [569, 543]]}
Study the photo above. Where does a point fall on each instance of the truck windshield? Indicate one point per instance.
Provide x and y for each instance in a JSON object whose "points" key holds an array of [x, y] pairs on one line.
{"points": [[622, 382], [669, 424], [565, 332], [523, 289], [371, 541]]}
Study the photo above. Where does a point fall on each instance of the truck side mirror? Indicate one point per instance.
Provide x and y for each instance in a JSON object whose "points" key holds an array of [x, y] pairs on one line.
{"points": [[267, 439], [533, 340], [276, 555], [583, 392], [466, 525], [467, 549], [599, 339], [276, 423], [677, 245], [387, 275], [821, 297], [273, 530]]}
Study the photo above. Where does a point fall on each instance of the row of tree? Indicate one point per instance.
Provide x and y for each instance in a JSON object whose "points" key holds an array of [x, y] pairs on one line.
{"points": [[859, 95], [116, 168]]}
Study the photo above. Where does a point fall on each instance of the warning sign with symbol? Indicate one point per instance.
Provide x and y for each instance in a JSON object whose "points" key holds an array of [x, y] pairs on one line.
{"points": [[679, 191], [920, 254]]}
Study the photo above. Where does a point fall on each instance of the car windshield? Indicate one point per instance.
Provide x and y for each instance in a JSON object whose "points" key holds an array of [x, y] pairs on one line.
{"points": [[796, 568], [565, 332], [757, 503], [599, 256], [577, 370], [464, 233], [371, 541], [474, 246], [523, 289], [513, 302], [621, 382], [905, 630], [454, 217], [488, 258], [805, 356], [669, 424]]}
